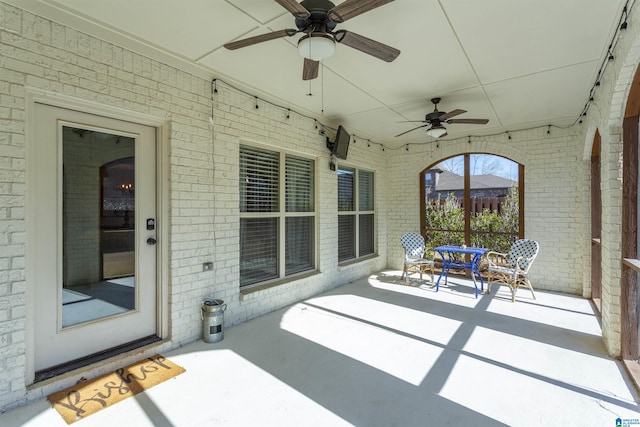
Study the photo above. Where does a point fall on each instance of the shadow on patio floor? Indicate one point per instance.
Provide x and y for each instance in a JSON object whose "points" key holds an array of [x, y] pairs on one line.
{"points": [[376, 352]]}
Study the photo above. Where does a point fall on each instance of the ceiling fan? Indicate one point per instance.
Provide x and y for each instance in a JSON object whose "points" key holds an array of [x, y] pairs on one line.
{"points": [[436, 119], [317, 19]]}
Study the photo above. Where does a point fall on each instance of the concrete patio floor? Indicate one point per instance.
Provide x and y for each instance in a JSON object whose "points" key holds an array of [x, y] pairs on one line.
{"points": [[378, 353]]}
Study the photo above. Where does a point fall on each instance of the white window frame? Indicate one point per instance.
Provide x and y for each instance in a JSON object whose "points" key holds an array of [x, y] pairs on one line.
{"points": [[358, 213], [282, 215]]}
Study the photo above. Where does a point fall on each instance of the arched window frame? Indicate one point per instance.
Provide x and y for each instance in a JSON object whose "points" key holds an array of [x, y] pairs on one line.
{"points": [[467, 197]]}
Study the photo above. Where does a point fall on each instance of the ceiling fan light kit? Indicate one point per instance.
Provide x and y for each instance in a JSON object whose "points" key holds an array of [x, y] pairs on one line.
{"points": [[316, 46], [317, 20], [436, 131]]}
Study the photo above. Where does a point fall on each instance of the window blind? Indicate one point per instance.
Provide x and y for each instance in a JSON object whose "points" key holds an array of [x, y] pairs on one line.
{"points": [[346, 189], [258, 250], [365, 190], [299, 188], [346, 237], [365, 237], [276, 239], [259, 180], [298, 244]]}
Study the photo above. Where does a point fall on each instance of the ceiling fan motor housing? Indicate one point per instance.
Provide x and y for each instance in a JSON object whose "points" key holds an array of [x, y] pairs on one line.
{"points": [[319, 20], [434, 116]]}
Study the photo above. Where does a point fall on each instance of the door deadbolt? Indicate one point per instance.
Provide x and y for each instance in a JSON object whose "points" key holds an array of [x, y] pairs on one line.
{"points": [[151, 241]]}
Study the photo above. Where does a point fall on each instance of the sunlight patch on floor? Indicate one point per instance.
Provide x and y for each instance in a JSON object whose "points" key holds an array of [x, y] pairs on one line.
{"points": [[396, 318], [551, 355], [505, 395], [563, 311], [401, 356]]}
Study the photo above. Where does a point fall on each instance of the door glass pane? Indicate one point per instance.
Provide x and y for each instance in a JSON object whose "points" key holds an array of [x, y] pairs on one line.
{"points": [[98, 225]]}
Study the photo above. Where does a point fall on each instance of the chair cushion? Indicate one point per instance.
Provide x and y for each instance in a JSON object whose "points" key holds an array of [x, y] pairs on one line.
{"points": [[501, 269], [419, 261]]}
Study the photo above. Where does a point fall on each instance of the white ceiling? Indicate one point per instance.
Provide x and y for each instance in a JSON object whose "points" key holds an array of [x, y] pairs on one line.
{"points": [[518, 63]]}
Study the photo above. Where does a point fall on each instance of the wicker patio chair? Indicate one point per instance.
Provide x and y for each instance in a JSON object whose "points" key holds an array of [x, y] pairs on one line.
{"points": [[414, 257], [512, 269]]}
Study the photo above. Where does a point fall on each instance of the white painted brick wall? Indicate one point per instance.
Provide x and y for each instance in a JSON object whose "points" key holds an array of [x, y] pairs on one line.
{"points": [[552, 171], [606, 114], [203, 222]]}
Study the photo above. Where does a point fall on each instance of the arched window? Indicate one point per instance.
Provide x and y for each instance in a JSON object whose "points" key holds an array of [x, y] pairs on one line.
{"points": [[473, 199]]}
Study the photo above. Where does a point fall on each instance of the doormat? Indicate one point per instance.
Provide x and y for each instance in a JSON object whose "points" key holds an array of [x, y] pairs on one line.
{"points": [[88, 397]]}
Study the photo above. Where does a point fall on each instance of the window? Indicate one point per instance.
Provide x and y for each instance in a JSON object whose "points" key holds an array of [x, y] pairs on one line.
{"points": [[356, 225], [277, 215], [473, 199]]}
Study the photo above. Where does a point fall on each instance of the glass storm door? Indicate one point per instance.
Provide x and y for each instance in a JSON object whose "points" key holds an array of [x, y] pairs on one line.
{"points": [[95, 208]]}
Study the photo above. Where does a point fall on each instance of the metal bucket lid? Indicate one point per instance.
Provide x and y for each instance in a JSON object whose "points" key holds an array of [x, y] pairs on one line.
{"points": [[213, 305]]}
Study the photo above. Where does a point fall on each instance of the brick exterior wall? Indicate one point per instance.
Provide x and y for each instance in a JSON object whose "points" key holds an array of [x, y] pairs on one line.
{"points": [[548, 159], [204, 200], [203, 204]]}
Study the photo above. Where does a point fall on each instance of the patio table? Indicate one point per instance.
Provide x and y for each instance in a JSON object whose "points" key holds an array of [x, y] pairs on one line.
{"points": [[448, 258]]}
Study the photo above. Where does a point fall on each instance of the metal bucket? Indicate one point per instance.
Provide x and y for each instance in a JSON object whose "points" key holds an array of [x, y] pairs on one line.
{"points": [[212, 314]]}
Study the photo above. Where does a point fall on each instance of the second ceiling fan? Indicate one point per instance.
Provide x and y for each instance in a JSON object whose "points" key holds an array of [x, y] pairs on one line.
{"points": [[436, 119], [317, 19]]}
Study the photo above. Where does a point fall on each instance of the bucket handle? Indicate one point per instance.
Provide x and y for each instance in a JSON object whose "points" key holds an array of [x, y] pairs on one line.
{"points": [[223, 307]]}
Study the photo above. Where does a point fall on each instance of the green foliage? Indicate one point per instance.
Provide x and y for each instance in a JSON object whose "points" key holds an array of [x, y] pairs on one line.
{"points": [[489, 229], [445, 215]]}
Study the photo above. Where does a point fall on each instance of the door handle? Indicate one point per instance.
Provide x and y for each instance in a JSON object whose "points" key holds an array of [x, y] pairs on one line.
{"points": [[151, 241]]}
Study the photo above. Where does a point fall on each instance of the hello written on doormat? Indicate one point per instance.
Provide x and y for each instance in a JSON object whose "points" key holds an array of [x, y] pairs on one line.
{"points": [[88, 397]]}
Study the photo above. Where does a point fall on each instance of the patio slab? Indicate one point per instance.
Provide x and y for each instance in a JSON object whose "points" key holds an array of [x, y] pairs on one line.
{"points": [[376, 352]]}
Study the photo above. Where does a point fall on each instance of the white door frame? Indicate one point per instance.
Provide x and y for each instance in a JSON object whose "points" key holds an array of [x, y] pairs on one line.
{"points": [[34, 96]]}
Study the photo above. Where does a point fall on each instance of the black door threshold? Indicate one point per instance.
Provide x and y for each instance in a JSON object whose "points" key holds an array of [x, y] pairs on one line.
{"points": [[54, 371]]}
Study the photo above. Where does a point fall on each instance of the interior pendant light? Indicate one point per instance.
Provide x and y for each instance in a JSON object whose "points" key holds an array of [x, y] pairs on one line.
{"points": [[436, 131], [316, 46]]}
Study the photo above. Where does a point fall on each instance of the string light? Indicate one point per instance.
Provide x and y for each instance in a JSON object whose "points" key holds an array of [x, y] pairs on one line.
{"points": [[214, 90], [622, 25]]}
